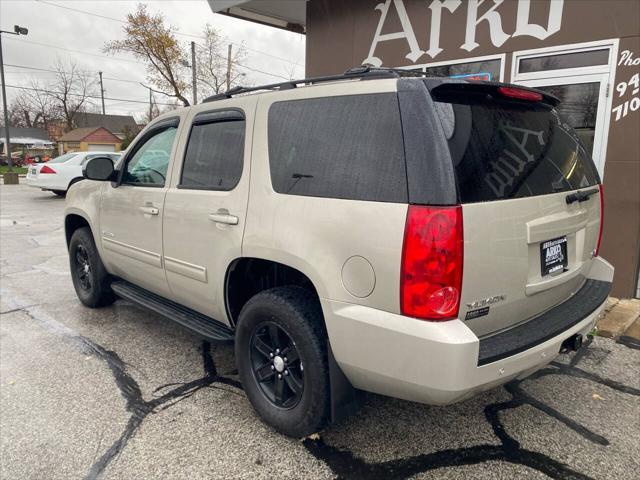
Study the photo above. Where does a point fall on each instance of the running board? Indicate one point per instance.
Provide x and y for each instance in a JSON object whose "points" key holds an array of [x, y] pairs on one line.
{"points": [[197, 322]]}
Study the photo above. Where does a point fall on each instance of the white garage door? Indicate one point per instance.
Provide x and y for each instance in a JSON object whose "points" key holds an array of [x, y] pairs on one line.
{"points": [[93, 147]]}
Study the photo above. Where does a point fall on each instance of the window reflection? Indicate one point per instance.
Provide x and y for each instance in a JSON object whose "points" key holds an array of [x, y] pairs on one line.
{"points": [[578, 107]]}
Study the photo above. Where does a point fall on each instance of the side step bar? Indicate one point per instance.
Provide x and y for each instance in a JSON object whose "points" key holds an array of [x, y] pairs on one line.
{"points": [[199, 323]]}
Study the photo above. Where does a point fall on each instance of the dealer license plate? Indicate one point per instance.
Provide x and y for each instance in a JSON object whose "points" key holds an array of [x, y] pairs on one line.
{"points": [[553, 256]]}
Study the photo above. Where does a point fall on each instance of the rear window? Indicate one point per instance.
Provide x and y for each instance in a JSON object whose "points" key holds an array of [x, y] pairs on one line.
{"points": [[504, 150], [63, 158], [346, 147]]}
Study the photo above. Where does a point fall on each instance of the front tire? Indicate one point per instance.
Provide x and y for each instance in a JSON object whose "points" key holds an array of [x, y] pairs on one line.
{"points": [[90, 278], [281, 355], [60, 193]]}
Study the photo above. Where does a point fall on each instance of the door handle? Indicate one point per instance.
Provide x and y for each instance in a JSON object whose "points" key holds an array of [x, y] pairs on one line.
{"points": [[225, 218], [149, 210]]}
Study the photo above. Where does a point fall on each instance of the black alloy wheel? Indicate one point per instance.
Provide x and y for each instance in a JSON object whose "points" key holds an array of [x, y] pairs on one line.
{"points": [[83, 267], [276, 365], [281, 355], [90, 278]]}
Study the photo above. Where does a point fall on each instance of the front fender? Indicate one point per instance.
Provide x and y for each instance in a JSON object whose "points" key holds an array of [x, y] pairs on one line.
{"points": [[83, 200]]}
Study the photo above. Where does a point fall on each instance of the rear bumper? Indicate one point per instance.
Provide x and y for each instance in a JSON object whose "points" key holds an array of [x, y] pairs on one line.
{"points": [[46, 183], [440, 362]]}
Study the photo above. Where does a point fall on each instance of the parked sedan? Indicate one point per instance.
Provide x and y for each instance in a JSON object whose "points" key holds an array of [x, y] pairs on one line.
{"points": [[59, 174]]}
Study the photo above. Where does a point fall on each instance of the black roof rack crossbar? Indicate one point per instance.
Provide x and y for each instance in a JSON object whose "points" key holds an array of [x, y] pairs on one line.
{"points": [[364, 72]]}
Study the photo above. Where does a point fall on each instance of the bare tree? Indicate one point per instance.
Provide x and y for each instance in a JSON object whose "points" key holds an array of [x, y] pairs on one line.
{"points": [[148, 38], [211, 62], [70, 91], [21, 113], [32, 107]]}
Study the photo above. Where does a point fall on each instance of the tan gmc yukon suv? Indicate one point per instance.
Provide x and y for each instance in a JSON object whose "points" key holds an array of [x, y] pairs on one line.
{"points": [[422, 238]]}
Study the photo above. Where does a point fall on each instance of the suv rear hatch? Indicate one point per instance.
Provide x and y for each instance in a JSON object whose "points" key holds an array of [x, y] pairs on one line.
{"points": [[530, 199]]}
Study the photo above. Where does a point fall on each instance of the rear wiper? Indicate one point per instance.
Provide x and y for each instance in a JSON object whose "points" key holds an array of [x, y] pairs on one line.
{"points": [[580, 195]]}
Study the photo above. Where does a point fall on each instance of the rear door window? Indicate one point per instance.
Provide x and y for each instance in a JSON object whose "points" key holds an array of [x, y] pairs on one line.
{"points": [[504, 149], [346, 147], [215, 155]]}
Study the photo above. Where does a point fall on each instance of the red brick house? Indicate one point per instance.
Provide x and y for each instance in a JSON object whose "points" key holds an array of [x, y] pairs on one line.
{"points": [[89, 139]]}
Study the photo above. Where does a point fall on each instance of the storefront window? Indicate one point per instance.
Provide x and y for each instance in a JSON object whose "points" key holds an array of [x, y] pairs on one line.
{"points": [[564, 60], [578, 107], [491, 69]]}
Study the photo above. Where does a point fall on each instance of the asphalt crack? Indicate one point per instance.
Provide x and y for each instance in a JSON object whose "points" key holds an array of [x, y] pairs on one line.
{"points": [[139, 408]]}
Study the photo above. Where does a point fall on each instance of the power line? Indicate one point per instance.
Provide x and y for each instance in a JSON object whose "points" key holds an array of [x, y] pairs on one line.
{"points": [[204, 49], [83, 52], [48, 70], [177, 33], [44, 90], [138, 62]]}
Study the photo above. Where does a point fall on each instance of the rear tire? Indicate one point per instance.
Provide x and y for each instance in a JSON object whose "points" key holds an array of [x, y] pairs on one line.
{"points": [[292, 394], [60, 193], [90, 278]]}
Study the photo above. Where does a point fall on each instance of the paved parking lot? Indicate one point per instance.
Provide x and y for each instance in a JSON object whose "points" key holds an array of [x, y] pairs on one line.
{"points": [[120, 393]]}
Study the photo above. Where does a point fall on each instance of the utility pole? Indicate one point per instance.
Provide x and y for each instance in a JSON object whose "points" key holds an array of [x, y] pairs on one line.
{"points": [[7, 137], [229, 68], [193, 73], [150, 105], [10, 176], [102, 92]]}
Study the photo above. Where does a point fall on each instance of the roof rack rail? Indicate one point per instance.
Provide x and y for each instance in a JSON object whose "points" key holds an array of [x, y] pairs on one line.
{"points": [[364, 72]]}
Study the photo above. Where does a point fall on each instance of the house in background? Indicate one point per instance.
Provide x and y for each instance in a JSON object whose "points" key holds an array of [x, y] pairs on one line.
{"points": [[31, 142], [89, 139], [119, 125]]}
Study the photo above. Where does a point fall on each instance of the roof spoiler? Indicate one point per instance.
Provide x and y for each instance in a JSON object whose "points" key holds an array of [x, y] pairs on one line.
{"points": [[444, 89]]}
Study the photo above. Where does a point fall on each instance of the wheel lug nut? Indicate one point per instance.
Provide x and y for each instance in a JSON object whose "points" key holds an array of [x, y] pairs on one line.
{"points": [[285, 359], [271, 355], [279, 375], [286, 372], [272, 367], [277, 351]]}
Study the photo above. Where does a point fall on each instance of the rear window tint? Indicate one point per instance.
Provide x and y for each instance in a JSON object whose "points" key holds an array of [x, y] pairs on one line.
{"points": [[504, 150], [340, 147], [214, 157]]}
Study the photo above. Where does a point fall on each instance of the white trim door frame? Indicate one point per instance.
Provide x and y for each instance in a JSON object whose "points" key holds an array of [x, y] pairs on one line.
{"points": [[604, 74], [598, 153]]}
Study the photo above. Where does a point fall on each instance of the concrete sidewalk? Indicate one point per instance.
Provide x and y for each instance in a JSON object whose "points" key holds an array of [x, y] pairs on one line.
{"points": [[621, 321]]}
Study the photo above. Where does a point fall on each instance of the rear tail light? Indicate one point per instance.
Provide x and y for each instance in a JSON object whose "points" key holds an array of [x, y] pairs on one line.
{"points": [[601, 187], [432, 256], [47, 169], [520, 94]]}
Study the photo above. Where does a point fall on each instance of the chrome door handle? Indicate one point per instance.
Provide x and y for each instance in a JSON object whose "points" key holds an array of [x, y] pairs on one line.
{"points": [[149, 210], [223, 218]]}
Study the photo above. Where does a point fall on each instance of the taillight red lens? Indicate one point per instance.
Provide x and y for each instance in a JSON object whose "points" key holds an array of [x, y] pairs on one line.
{"points": [[520, 94], [601, 187], [432, 256], [47, 169]]}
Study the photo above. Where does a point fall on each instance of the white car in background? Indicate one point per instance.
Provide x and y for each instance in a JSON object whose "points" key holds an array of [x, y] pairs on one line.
{"points": [[58, 174]]}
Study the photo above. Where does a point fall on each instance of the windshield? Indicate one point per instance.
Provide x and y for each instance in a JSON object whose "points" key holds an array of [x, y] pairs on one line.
{"points": [[506, 150], [63, 158]]}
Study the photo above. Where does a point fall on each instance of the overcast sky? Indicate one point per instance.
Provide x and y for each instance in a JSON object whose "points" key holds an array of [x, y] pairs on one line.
{"points": [[54, 31]]}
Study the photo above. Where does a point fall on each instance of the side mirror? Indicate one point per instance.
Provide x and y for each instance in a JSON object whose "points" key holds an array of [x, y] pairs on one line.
{"points": [[99, 168]]}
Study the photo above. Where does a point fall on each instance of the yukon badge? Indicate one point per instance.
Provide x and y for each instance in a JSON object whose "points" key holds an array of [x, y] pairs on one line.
{"points": [[487, 301], [480, 308]]}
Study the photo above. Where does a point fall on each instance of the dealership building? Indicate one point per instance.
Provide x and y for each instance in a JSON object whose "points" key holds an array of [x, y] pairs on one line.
{"points": [[585, 52]]}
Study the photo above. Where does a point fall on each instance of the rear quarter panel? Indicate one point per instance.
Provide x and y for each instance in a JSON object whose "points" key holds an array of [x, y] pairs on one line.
{"points": [[319, 235]]}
